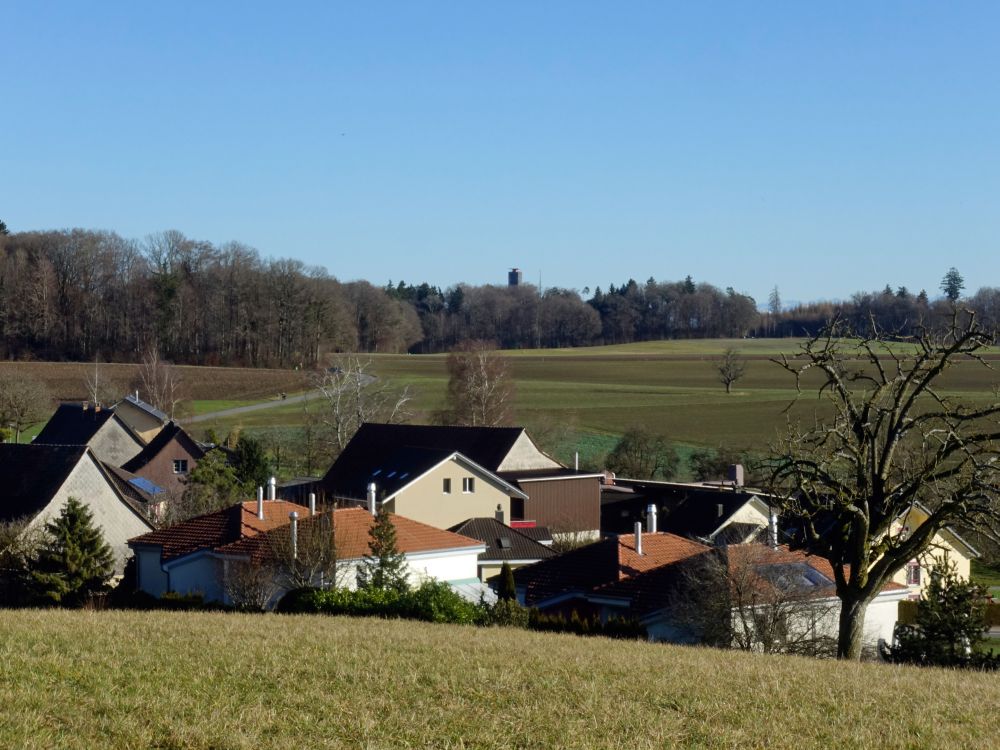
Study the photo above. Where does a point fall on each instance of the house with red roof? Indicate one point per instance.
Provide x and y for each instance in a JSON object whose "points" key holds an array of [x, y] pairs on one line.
{"points": [[201, 555]]}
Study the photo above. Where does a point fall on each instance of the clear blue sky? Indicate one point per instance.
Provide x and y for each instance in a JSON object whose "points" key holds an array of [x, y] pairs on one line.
{"points": [[819, 147]]}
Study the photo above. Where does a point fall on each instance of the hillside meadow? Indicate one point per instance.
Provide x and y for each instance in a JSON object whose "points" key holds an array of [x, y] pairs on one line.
{"points": [[183, 680]]}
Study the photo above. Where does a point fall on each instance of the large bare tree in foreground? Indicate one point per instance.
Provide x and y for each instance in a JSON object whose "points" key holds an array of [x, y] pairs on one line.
{"points": [[896, 441]]}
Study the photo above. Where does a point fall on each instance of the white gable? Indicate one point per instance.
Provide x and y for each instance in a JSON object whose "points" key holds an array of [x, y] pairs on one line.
{"points": [[524, 456]]}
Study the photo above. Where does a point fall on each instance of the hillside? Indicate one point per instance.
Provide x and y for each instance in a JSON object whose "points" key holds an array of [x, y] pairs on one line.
{"points": [[177, 680]]}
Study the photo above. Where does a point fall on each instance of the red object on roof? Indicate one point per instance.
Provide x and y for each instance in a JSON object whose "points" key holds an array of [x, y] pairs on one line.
{"points": [[523, 524]]}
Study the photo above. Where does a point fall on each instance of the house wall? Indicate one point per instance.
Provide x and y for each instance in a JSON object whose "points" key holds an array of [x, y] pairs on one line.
{"points": [[114, 444], [144, 424], [524, 455], [425, 501], [152, 578], [201, 574], [446, 565], [493, 569], [564, 505], [117, 521], [160, 470], [941, 547]]}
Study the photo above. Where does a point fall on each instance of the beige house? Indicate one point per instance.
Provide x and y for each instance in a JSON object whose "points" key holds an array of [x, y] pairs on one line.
{"points": [[145, 420], [946, 545]]}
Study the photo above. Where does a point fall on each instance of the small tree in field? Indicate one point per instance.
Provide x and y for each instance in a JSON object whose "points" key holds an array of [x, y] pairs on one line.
{"points": [[480, 389], [895, 441], [641, 455], [74, 560], [731, 367], [385, 566]]}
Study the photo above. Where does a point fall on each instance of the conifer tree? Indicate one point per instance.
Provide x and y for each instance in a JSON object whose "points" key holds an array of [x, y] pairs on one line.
{"points": [[74, 561], [385, 566], [507, 590]]}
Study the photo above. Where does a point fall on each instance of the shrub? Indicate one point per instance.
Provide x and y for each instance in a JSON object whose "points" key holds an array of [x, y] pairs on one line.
{"points": [[505, 613], [432, 601]]}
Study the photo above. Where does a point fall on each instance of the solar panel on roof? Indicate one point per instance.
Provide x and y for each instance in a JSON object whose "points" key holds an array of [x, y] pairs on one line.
{"points": [[145, 485]]}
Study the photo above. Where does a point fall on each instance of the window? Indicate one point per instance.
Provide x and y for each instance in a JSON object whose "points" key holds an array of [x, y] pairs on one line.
{"points": [[913, 574], [180, 466], [446, 486], [468, 484]]}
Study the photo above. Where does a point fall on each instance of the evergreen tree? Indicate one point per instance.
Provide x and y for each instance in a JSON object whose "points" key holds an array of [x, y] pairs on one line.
{"points": [[385, 566], [250, 463], [74, 561], [211, 485], [952, 284], [3, 229], [507, 590]]}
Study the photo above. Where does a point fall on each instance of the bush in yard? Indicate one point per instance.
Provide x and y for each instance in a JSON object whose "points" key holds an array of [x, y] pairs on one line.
{"points": [[505, 613], [432, 601]]}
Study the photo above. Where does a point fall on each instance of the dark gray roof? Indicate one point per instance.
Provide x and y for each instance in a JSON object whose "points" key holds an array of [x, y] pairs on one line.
{"points": [[164, 437], [540, 534], [390, 471], [502, 542], [73, 425], [32, 474], [148, 408], [373, 443]]}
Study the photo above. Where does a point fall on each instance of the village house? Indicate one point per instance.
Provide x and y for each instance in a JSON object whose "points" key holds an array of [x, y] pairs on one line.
{"points": [[145, 420], [537, 486], [40, 479], [81, 423], [503, 545], [167, 460]]}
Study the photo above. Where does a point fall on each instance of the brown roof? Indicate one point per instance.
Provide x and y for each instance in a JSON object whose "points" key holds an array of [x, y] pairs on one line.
{"points": [[600, 563], [214, 530]]}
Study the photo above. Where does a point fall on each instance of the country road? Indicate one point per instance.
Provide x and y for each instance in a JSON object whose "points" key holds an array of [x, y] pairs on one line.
{"points": [[237, 410]]}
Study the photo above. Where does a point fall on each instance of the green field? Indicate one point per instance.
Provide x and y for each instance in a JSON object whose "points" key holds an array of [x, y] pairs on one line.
{"points": [[180, 680]]}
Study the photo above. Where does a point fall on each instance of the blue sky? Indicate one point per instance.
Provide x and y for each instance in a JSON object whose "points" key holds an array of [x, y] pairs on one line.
{"points": [[820, 147]]}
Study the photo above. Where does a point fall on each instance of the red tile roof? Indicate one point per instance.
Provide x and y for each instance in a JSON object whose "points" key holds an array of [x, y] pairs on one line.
{"points": [[607, 561], [237, 531]]}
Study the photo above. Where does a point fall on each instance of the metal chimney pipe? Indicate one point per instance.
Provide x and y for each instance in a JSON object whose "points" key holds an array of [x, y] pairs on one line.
{"points": [[576, 461], [638, 537], [260, 503], [294, 517], [651, 518], [272, 488], [772, 530], [312, 503], [371, 498], [499, 513]]}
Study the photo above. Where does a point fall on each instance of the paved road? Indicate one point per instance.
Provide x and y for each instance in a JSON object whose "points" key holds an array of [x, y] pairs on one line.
{"points": [[237, 410]]}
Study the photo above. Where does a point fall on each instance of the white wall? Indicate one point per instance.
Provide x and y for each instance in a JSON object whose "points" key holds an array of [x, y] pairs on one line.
{"points": [[152, 578], [117, 521], [199, 574]]}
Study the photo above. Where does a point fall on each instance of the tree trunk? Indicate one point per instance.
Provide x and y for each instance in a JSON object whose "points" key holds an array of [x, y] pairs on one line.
{"points": [[852, 623]]}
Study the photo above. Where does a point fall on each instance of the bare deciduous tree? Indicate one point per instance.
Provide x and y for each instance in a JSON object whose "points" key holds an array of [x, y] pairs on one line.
{"points": [[480, 388], [896, 441], [354, 395], [312, 559], [160, 383], [731, 367], [23, 402], [251, 584], [102, 389]]}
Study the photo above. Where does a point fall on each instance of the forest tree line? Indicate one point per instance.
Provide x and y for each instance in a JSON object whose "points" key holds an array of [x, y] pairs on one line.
{"points": [[83, 294]]}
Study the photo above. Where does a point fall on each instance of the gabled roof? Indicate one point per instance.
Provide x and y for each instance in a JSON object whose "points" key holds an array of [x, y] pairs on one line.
{"points": [[372, 443], [151, 410], [502, 542], [586, 568], [213, 530], [352, 528], [163, 438], [32, 474], [137, 489], [72, 424]]}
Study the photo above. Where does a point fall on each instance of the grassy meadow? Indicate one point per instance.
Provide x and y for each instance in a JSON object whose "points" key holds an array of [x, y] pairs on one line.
{"points": [[573, 399], [182, 680]]}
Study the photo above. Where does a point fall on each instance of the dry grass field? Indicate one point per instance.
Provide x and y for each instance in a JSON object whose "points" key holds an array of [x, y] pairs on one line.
{"points": [[180, 680]]}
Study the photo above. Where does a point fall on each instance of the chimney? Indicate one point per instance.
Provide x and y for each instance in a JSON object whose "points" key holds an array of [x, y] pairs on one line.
{"points": [[638, 537], [651, 518], [499, 513], [260, 503], [720, 509], [371, 498], [85, 404], [97, 408], [736, 474], [772, 529], [294, 518], [272, 488], [312, 503], [576, 461], [136, 394]]}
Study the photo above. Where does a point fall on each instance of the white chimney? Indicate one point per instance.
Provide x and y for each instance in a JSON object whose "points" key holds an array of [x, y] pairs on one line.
{"points": [[499, 513], [638, 537], [736, 474], [312, 503], [371, 498], [651, 518], [272, 488], [260, 503], [772, 530], [294, 517], [576, 461]]}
